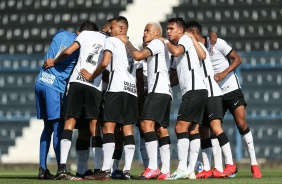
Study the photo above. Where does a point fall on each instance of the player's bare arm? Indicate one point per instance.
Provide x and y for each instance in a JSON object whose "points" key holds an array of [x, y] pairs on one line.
{"points": [[100, 68], [175, 50], [50, 62], [236, 61], [138, 55], [200, 51]]}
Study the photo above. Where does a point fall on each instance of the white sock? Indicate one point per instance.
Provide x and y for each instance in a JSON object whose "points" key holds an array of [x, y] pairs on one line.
{"points": [[182, 147], [128, 156], [165, 158], [217, 155], [152, 152], [108, 151], [82, 156], [226, 150], [159, 161], [206, 155], [249, 146], [143, 152], [65, 148], [97, 156], [195, 145]]}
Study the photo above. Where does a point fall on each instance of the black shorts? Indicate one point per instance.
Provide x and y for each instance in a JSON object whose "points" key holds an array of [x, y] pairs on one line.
{"points": [[213, 110], [192, 106], [157, 108], [232, 100], [82, 96], [120, 107]]}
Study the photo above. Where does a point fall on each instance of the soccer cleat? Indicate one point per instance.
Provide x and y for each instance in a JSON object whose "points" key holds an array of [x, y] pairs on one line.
{"points": [[87, 173], [44, 174], [256, 171], [217, 174], [205, 174], [100, 175], [191, 176], [229, 170], [117, 174], [178, 174], [126, 175], [149, 174], [162, 176], [63, 174]]}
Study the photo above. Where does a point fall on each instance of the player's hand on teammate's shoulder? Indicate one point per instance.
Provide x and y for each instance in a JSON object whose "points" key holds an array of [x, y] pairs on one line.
{"points": [[189, 34], [50, 62], [123, 38], [86, 74]]}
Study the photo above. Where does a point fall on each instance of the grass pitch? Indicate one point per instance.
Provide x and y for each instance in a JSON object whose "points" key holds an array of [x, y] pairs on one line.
{"points": [[244, 176]]}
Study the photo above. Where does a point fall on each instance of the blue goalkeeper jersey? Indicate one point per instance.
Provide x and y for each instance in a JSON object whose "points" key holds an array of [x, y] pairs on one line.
{"points": [[57, 76]]}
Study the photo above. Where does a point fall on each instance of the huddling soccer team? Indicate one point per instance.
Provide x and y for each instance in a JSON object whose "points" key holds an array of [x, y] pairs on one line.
{"points": [[102, 84]]}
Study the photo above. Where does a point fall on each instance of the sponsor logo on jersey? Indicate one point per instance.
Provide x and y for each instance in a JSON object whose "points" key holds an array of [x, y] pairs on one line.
{"points": [[81, 78], [129, 87], [47, 78]]}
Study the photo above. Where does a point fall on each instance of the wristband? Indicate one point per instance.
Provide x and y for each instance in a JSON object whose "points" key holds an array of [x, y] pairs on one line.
{"points": [[166, 41]]}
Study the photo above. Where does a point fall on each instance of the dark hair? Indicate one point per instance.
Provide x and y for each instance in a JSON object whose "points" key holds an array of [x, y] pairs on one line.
{"points": [[88, 26], [121, 19], [179, 21], [194, 24]]}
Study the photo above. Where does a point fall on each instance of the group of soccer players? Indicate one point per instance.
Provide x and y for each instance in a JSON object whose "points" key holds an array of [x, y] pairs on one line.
{"points": [[205, 75]]}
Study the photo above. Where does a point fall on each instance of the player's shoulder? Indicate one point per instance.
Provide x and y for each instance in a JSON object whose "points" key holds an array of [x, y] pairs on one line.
{"points": [[220, 41]]}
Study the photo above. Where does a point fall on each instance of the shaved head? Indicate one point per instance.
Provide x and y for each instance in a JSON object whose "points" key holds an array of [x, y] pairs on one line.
{"points": [[157, 26]]}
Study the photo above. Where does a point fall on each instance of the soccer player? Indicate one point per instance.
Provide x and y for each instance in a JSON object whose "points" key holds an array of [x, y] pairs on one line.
{"points": [[194, 96], [50, 95], [84, 134], [156, 112], [233, 99], [213, 111], [122, 93], [82, 94]]}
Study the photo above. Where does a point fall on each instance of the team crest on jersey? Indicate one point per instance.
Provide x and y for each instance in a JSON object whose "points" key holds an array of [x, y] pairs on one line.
{"points": [[96, 50], [211, 51]]}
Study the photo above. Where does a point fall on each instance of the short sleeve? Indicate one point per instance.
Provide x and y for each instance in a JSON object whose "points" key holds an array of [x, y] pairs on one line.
{"points": [[223, 47], [186, 42], [155, 46], [109, 45]]}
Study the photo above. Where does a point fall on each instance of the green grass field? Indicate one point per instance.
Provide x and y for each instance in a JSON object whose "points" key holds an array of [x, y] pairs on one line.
{"points": [[270, 176]]}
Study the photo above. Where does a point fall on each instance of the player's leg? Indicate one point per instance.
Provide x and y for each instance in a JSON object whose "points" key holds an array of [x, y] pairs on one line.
{"points": [[48, 105], [164, 150], [129, 149], [206, 148], [82, 150], [130, 115], [225, 147], [116, 172], [237, 108], [45, 140], [75, 104], [240, 119], [195, 143]]}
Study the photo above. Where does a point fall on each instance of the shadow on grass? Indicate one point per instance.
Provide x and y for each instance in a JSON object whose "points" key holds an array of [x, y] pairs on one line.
{"points": [[19, 177]]}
